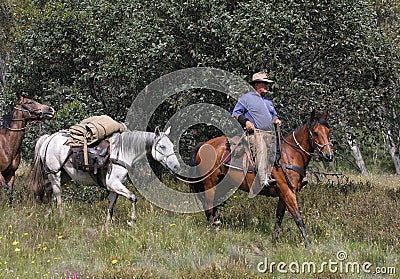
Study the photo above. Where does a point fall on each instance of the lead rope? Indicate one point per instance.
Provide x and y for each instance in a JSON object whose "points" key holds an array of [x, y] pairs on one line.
{"points": [[209, 174]]}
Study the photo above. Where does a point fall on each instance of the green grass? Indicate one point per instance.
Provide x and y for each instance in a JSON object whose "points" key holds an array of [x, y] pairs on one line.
{"points": [[358, 215]]}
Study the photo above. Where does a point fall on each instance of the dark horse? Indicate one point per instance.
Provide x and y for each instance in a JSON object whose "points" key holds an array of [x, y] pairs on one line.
{"points": [[12, 130], [296, 151]]}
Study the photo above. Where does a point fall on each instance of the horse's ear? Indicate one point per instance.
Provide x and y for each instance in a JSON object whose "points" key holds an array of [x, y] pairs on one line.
{"points": [[313, 116], [325, 115], [168, 131], [157, 131]]}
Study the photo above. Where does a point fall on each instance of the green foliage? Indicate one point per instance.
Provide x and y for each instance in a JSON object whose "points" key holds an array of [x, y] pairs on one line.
{"points": [[335, 55]]}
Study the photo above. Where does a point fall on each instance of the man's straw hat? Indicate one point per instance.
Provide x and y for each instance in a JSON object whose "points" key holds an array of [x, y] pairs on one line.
{"points": [[260, 77]]}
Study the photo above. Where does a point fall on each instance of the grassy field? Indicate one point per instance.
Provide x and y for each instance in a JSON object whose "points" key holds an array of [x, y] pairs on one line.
{"points": [[351, 222]]}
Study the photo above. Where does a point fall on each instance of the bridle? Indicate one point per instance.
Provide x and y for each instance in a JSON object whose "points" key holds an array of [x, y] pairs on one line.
{"points": [[24, 108], [314, 144]]}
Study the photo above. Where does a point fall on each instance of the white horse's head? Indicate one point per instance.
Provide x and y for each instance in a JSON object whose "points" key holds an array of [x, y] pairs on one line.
{"points": [[163, 150]]}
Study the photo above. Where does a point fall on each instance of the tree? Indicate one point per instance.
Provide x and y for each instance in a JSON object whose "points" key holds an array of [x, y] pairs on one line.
{"points": [[321, 54], [6, 22]]}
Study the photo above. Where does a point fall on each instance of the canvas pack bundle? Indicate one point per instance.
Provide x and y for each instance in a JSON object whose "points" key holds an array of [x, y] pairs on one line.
{"points": [[91, 131]]}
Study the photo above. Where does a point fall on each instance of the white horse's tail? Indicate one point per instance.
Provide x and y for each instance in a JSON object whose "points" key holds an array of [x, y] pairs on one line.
{"points": [[36, 174]]}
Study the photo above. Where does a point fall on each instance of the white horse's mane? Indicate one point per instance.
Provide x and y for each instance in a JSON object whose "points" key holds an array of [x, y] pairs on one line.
{"points": [[136, 142]]}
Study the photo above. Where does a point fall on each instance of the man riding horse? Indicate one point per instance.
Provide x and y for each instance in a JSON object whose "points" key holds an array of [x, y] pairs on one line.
{"points": [[256, 114]]}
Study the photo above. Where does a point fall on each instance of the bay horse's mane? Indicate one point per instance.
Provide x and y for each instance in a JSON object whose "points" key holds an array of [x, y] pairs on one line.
{"points": [[318, 119], [5, 121]]}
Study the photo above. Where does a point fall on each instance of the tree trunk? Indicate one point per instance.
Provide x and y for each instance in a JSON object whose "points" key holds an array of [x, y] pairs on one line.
{"points": [[351, 139], [3, 69], [393, 150]]}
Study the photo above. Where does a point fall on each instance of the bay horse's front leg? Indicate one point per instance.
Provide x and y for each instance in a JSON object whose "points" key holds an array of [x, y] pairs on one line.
{"points": [[280, 212], [3, 183], [10, 188], [7, 186], [291, 203]]}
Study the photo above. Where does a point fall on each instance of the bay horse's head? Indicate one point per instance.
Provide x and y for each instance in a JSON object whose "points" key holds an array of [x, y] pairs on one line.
{"points": [[33, 110], [318, 129]]}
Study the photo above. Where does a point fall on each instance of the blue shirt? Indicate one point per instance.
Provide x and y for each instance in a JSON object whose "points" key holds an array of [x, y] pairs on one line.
{"points": [[258, 110]]}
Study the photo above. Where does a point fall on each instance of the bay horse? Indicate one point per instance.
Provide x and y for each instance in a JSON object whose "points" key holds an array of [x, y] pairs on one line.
{"points": [[296, 151], [12, 131], [52, 162]]}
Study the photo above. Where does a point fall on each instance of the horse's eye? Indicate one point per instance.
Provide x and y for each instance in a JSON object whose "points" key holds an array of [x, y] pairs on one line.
{"points": [[316, 134], [162, 146]]}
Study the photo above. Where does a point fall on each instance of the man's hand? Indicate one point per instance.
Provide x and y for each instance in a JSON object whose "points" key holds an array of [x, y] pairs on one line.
{"points": [[277, 121], [249, 126]]}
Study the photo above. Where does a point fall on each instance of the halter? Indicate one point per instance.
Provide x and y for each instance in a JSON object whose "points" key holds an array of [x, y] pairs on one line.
{"points": [[24, 109], [159, 151]]}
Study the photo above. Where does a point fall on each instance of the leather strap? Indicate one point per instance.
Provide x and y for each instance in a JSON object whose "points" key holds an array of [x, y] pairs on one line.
{"points": [[297, 169]]}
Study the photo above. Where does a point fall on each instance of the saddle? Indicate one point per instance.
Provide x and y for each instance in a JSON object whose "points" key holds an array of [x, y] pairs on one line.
{"points": [[238, 155], [98, 156]]}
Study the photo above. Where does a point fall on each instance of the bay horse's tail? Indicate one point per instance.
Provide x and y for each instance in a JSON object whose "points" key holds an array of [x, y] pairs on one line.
{"points": [[195, 187], [36, 175]]}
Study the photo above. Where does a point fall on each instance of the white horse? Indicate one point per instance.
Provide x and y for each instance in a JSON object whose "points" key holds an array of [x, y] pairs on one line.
{"points": [[52, 162]]}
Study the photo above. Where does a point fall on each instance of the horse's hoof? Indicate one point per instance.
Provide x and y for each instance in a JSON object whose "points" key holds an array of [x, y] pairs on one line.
{"points": [[130, 223], [217, 223]]}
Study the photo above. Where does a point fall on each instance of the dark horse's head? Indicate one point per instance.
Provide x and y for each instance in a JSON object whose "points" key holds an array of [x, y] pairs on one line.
{"points": [[318, 129], [33, 110]]}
